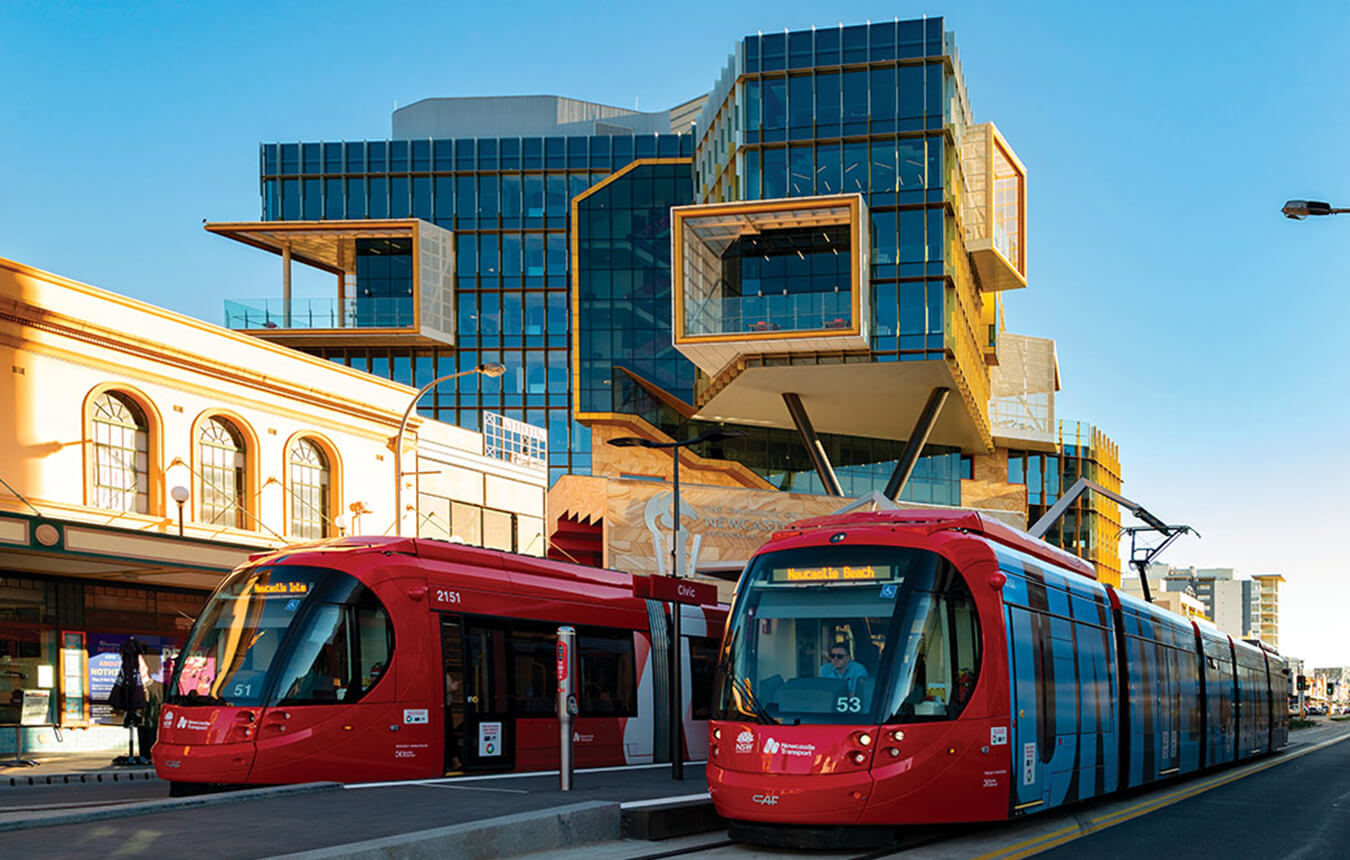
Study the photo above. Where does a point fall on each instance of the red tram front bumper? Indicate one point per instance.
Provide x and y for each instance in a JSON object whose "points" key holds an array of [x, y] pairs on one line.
{"points": [[834, 798], [219, 763]]}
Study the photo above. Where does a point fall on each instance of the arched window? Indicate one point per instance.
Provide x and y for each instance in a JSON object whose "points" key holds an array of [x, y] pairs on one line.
{"points": [[121, 454], [309, 490], [220, 448]]}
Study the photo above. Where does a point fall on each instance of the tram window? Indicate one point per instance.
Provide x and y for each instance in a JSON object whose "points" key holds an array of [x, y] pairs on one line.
{"points": [[341, 654], [534, 684], [703, 651], [606, 674], [940, 661]]}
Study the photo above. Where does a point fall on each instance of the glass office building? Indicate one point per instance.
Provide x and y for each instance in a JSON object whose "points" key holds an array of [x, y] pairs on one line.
{"points": [[876, 208]]}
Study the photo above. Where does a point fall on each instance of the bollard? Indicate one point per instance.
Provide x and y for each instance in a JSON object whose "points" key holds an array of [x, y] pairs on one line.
{"points": [[567, 703]]}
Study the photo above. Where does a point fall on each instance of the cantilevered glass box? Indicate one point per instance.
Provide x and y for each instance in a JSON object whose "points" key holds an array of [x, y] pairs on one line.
{"points": [[395, 279], [769, 276]]}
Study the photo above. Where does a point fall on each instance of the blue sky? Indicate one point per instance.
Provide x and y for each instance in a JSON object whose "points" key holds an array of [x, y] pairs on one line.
{"points": [[1195, 326]]}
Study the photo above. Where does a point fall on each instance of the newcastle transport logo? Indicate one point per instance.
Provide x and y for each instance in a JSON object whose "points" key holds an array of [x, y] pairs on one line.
{"points": [[773, 747]]}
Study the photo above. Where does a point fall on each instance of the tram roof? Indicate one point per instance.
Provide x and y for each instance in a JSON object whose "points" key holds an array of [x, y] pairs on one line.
{"points": [[933, 521]]}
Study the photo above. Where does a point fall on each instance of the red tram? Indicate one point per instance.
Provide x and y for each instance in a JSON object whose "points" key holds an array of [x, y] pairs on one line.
{"points": [[908, 667], [376, 658]]}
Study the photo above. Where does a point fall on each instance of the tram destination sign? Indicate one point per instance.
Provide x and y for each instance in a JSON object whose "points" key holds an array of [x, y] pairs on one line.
{"points": [[675, 590], [833, 573]]}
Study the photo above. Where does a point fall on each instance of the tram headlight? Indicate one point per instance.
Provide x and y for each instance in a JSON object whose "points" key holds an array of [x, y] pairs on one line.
{"points": [[898, 735], [894, 751], [865, 739], [859, 758], [717, 734]]}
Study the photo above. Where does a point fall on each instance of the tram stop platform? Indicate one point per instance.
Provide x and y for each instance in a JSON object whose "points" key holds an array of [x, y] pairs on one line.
{"points": [[460, 817], [72, 769]]}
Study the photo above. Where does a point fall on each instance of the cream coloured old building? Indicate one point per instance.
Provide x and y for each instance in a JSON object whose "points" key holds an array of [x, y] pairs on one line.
{"points": [[143, 454]]}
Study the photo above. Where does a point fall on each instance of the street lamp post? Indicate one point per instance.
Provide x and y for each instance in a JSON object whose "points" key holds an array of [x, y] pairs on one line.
{"points": [[180, 495], [1300, 209], [676, 696], [486, 370]]}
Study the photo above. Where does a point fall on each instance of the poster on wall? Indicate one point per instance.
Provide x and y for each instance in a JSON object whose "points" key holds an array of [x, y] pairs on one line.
{"points": [[105, 662]]}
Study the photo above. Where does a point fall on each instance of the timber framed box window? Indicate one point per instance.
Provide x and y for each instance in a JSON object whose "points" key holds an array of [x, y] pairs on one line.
{"points": [[120, 433]]}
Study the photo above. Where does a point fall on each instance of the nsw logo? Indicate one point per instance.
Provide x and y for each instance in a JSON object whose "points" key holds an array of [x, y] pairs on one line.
{"points": [[745, 741]]}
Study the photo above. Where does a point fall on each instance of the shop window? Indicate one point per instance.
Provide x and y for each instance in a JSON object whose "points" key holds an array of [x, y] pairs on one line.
{"points": [[121, 436], [309, 491], [221, 451], [499, 530]]}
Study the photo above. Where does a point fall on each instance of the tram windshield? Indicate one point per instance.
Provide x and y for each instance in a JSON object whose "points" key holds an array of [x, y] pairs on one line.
{"points": [[284, 635], [849, 635]]}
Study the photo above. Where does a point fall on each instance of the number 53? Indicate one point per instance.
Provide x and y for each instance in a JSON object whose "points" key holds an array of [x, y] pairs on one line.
{"points": [[848, 704]]}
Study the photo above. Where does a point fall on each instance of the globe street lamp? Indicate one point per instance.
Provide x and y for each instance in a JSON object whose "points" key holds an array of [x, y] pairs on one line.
{"points": [[180, 495], [676, 696], [1300, 209], [485, 369]]}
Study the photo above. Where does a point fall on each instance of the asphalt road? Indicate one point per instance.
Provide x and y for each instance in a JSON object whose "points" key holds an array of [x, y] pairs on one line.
{"points": [[285, 824], [1299, 808], [1295, 804]]}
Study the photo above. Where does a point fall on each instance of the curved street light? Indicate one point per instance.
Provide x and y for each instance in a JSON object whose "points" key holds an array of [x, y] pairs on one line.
{"points": [[485, 369], [676, 697], [1300, 209]]}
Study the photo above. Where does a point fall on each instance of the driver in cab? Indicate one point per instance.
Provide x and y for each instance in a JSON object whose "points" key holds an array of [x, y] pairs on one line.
{"points": [[841, 667]]}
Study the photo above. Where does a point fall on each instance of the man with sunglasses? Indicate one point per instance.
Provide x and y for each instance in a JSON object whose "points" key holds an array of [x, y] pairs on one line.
{"points": [[841, 667]]}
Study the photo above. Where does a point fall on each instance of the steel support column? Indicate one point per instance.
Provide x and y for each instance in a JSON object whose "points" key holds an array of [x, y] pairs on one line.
{"points": [[286, 286], [923, 428], [814, 449]]}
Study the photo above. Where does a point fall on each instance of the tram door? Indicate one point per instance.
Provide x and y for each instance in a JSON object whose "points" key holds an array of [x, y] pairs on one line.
{"points": [[474, 653]]}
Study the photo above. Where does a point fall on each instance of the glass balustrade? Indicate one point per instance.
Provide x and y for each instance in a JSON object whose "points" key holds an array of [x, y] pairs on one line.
{"points": [[363, 312], [785, 312]]}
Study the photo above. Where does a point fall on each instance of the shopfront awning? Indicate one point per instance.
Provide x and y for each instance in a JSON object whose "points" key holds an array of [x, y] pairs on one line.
{"points": [[52, 547]]}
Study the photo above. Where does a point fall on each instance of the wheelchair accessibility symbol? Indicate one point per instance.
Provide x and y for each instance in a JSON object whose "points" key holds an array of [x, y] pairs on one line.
{"points": [[888, 591]]}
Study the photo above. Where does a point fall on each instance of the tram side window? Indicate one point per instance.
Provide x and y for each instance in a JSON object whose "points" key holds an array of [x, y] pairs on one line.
{"points": [[606, 674], [341, 655], [534, 679], [941, 659], [703, 652]]}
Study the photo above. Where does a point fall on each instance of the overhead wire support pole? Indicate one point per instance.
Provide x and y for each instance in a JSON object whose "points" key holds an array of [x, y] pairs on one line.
{"points": [[1152, 524]]}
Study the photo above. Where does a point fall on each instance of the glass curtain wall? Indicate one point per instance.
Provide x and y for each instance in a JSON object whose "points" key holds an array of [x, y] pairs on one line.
{"points": [[508, 202], [624, 286]]}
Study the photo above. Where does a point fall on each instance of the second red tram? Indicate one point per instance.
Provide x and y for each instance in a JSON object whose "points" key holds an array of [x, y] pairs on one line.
{"points": [[915, 667], [392, 658]]}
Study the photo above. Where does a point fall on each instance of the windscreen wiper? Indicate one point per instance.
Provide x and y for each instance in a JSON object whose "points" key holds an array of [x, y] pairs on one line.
{"points": [[762, 714]]}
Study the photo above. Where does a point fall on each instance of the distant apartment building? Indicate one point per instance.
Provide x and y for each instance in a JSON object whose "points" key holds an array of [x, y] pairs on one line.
{"points": [[1247, 608], [1265, 608], [1180, 602]]}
